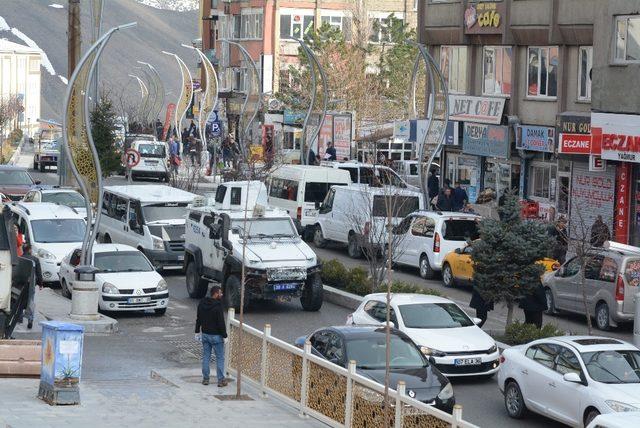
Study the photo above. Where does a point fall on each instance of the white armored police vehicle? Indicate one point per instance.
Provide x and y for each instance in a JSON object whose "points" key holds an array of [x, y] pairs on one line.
{"points": [[239, 226]]}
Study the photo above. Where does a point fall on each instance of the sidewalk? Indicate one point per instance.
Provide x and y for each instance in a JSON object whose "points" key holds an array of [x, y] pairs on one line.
{"points": [[173, 398]]}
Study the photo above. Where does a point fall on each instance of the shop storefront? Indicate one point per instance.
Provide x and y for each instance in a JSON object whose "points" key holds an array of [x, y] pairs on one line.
{"points": [[543, 171], [618, 138]]}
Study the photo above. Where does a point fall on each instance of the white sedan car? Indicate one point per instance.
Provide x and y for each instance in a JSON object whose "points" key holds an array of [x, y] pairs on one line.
{"points": [[571, 379], [126, 279], [443, 331]]}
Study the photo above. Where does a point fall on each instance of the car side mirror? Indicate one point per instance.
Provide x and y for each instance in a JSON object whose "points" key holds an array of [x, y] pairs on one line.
{"points": [[476, 321], [432, 361], [458, 250], [214, 231], [572, 377], [38, 182], [560, 271]]}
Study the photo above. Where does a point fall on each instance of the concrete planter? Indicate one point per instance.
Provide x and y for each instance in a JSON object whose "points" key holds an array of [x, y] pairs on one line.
{"points": [[20, 358]]}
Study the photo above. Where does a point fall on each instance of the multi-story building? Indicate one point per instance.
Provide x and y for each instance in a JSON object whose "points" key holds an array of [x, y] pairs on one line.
{"points": [[20, 77], [520, 75]]}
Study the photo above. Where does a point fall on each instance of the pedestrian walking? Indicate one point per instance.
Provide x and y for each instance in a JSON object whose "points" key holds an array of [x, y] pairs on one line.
{"points": [[184, 138], [211, 330], [460, 197], [36, 280], [599, 232], [558, 231], [534, 304], [227, 155], [433, 184], [481, 305], [311, 157], [174, 155]]}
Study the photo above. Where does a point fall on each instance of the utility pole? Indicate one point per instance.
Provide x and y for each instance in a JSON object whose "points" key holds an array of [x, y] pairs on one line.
{"points": [[74, 41]]}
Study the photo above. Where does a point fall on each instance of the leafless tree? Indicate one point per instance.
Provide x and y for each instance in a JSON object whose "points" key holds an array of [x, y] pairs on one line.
{"points": [[9, 109]]}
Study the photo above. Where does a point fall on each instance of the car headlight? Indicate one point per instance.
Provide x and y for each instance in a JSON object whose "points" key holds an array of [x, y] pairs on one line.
{"points": [[44, 254], [430, 352], [617, 406], [158, 243], [446, 393], [108, 288], [162, 285], [493, 349]]}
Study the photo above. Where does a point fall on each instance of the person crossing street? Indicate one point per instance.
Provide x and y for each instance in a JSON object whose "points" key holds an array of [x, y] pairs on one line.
{"points": [[211, 331]]}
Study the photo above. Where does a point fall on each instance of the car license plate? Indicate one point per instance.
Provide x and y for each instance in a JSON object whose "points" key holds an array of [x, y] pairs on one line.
{"points": [[285, 286], [467, 361], [139, 299]]}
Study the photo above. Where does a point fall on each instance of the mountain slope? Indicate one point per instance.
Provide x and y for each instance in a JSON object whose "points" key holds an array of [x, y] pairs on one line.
{"points": [[44, 23]]}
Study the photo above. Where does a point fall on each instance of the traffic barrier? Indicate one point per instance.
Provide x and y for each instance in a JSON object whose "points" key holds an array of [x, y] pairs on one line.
{"points": [[20, 358], [329, 393]]}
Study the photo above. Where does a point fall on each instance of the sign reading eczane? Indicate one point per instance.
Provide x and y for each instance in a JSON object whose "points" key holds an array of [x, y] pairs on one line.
{"points": [[618, 135]]}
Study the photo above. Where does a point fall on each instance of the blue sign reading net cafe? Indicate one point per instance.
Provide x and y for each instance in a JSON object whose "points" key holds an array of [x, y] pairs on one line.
{"points": [[486, 140]]}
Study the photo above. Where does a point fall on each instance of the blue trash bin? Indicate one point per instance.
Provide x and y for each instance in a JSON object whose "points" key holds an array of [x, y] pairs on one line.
{"points": [[61, 362]]}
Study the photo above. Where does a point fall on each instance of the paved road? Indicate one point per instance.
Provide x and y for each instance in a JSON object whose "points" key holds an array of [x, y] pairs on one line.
{"points": [[146, 340]]}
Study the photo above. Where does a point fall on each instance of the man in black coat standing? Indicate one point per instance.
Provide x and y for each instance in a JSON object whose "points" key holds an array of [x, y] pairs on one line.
{"points": [[534, 304], [211, 330]]}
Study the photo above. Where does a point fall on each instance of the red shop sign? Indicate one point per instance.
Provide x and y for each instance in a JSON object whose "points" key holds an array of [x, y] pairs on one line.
{"points": [[623, 182], [575, 143]]}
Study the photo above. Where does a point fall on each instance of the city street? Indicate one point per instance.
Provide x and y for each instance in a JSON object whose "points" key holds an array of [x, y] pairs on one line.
{"points": [[145, 340]]}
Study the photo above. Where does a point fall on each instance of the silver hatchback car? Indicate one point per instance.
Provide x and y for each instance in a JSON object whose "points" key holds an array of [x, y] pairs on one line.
{"points": [[611, 278]]}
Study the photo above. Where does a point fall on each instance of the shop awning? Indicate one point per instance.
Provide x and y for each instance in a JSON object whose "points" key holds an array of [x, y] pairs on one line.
{"points": [[376, 135]]}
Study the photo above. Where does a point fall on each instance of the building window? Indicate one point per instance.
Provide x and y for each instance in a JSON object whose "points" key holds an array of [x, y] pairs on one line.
{"points": [[627, 47], [542, 181], [381, 28], [237, 20], [585, 62], [453, 63], [340, 23], [497, 71], [251, 24], [294, 26], [239, 79], [543, 72]]}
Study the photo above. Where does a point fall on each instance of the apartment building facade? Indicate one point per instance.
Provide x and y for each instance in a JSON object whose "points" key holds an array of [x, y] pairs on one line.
{"points": [[529, 80]]}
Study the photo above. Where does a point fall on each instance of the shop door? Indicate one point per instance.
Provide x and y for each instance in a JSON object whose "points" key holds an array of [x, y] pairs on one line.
{"points": [[563, 192]]}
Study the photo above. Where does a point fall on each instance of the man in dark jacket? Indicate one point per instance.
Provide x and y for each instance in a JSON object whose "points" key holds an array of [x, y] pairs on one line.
{"points": [[481, 306], [460, 197], [211, 330], [445, 200], [331, 153], [533, 305], [599, 232], [37, 280], [433, 184]]}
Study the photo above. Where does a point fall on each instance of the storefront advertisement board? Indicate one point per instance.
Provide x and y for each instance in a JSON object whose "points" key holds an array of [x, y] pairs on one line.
{"points": [[592, 193], [486, 140], [418, 128], [617, 135], [535, 138], [342, 135], [466, 108], [574, 144]]}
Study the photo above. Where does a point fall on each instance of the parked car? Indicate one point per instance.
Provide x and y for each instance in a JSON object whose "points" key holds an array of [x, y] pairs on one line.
{"points": [[150, 218], [457, 266], [299, 189], [408, 170], [153, 160], [367, 346], [364, 173], [126, 279], [571, 379], [15, 181], [356, 215], [58, 195], [428, 236], [616, 420], [52, 230], [440, 328], [612, 276]]}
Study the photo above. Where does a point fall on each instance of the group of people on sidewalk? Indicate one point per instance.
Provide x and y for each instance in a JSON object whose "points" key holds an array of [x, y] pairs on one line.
{"points": [[447, 198]]}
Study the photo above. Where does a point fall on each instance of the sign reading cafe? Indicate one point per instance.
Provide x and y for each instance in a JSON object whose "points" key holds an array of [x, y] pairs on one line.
{"points": [[467, 108], [484, 18]]}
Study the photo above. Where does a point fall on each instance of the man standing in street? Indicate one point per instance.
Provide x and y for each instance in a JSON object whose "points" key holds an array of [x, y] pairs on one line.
{"points": [[599, 232], [331, 153], [211, 330], [37, 280], [460, 197]]}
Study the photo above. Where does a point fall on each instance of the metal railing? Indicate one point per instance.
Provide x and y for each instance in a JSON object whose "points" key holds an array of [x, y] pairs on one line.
{"points": [[332, 394]]}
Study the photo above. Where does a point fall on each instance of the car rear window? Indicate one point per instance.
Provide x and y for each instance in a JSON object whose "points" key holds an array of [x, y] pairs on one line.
{"points": [[316, 192], [460, 230], [401, 206]]}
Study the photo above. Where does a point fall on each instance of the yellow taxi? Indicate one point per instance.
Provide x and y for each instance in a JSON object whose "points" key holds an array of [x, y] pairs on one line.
{"points": [[457, 266]]}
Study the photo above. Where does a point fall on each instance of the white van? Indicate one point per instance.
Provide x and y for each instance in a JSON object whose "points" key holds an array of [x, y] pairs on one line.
{"points": [[365, 173], [153, 160], [53, 231], [409, 171], [150, 218], [350, 214], [299, 190]]}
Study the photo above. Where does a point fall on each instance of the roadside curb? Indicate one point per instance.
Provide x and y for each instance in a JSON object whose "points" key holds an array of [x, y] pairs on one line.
{"points": [[341, 298], [16, 153]]}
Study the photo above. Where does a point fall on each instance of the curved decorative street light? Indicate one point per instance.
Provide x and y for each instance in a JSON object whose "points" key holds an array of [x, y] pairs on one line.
{"points": [[152, 94], [252, 92], [435, 79], [186, 94], [159, 101], [144, 97], [313, 65]]}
